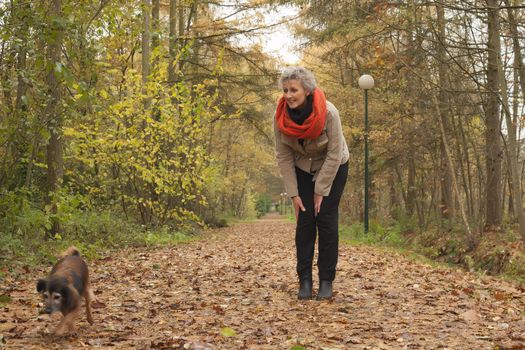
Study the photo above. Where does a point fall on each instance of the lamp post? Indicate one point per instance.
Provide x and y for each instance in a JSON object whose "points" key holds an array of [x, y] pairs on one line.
{"points": [[366, 82]]}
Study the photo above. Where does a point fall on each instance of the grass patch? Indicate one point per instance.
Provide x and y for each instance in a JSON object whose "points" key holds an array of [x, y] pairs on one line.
{"points": [[94, 234], [226, 220], [165, 237], [499, 253], [4, 299], [233, 220], [377, 235], [387, 239]]}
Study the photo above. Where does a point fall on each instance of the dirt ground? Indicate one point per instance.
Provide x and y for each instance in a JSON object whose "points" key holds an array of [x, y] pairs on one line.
{"points": [[236, 289]]}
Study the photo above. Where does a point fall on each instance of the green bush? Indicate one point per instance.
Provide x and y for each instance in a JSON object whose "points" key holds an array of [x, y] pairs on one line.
{"points": [[216, 222], [263, 204], [516, 267], [93, 233], [20, 217], [377, 234]]}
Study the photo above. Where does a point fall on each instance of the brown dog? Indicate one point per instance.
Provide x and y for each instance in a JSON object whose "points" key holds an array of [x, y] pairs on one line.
{"points": [[64, 288]]}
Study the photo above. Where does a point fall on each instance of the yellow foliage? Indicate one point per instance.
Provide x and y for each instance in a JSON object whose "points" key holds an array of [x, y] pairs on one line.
{"points": [[148, 149]]}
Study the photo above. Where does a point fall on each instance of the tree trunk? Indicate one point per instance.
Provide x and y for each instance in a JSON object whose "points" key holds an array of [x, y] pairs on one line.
{"points": [[518, 55], [411, 195], [467, 177], [146, 39], [393, 197], [411, 181], [196, 43], [22, 56], [520, 72], [20, 101], [155, 24], [55, 162], [172, 42], [512, 142], [446, 199], [492, 123], [181, 33], [155, 33], [454, 181]]}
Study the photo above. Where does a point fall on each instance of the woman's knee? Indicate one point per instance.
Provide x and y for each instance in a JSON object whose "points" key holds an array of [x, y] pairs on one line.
{"points": [[327, 218]]}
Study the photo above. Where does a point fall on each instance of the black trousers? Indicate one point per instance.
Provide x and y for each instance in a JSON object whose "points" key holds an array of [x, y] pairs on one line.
{"points": [[325, 224]]}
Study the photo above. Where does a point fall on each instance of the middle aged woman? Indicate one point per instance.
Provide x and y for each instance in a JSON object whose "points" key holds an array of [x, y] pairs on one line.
{"points": [[313, 159]]}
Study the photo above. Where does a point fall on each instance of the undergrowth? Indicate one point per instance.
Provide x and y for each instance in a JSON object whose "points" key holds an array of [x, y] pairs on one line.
{"points": [[94, 234], [494, 253]]}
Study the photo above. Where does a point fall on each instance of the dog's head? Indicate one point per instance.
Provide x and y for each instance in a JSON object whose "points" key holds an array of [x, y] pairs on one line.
{"points": [[56, 294]]}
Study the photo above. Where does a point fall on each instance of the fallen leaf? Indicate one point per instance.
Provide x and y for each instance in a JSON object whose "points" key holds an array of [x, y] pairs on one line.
{"points": [[4, 299], [254, 295], [469, 316], [228, 332], [499, 295]]}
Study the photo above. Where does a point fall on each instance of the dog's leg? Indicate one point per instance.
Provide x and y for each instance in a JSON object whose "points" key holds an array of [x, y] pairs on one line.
{"points": [[89, 296], [67, 324]]}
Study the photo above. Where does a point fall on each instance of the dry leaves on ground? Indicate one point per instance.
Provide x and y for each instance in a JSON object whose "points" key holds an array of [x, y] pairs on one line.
{"points": [[236, 289]]}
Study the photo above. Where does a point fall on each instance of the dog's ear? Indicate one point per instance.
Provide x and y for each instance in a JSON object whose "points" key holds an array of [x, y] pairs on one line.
{"points": [[41, 285]]}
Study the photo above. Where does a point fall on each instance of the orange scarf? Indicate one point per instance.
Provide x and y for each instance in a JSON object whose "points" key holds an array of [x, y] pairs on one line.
{"points": [[313, 125]]}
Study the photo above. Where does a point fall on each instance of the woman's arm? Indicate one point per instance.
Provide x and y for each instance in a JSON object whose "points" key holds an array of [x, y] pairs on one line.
{"points": [[334, 131], [285, 160]]}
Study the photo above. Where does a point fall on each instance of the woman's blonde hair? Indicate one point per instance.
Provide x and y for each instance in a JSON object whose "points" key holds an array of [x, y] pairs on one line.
{"points": [[302, 74]]}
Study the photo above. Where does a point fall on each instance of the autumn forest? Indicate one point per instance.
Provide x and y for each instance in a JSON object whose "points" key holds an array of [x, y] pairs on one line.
{"points": [[146, 123]]}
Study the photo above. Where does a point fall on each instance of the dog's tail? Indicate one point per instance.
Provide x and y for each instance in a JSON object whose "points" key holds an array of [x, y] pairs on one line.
{"points": [[71, 251]]}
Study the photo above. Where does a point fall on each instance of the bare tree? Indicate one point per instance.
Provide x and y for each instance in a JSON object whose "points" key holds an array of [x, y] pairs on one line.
{"points": [[446, 202], [55, 161], [172, 42], [493, 156], [146, 40]]}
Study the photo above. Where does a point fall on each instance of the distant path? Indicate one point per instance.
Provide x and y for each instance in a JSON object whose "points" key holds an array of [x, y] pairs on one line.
{"points": [[243, 277]]}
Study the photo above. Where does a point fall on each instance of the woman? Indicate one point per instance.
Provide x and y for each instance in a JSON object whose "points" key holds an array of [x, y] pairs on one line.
{"points": [[313, 159]]}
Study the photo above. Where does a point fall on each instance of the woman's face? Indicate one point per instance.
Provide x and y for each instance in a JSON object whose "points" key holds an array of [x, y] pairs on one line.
{"points": [[294, 93]]}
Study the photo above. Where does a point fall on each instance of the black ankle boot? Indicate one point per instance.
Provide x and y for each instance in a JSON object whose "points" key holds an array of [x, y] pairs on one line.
{"points": [[305, 289], [325, 290]]}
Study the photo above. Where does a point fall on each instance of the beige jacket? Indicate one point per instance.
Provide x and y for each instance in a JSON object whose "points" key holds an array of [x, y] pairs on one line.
{"points": [[320, 157]]}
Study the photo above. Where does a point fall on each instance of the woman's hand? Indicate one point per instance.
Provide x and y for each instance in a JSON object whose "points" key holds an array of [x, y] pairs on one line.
{"points": [[318, 199], [298, 205]]}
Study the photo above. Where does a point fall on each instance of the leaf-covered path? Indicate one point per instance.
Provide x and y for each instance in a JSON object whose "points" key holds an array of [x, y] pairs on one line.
{"points": [[236, 290]]}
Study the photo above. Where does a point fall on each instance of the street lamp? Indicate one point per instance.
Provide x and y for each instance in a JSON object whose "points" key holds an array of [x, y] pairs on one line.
{"points": [[366, 82]]}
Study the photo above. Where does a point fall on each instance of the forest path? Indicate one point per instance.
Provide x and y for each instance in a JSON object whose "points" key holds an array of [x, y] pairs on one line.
{"points": [[236, 289]]}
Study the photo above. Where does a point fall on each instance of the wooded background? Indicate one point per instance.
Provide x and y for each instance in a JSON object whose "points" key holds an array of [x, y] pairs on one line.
{"points": [[138, 115]]}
